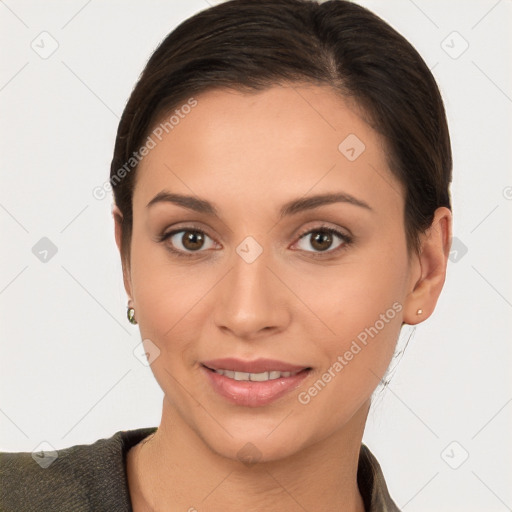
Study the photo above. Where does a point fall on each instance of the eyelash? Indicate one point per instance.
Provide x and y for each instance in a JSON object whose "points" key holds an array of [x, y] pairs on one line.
{"points": [[346, 239]]}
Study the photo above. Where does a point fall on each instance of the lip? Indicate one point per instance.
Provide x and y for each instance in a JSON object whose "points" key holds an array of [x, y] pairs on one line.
{"points": [[254, 393], [255, 366]]}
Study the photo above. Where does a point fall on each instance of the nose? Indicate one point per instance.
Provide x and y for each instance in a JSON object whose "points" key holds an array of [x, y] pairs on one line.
{"points": [[251, 300]]}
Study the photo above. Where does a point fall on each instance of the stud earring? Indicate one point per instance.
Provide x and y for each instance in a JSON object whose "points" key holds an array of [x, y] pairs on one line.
{"points": [[419, 312], [130, 313]]}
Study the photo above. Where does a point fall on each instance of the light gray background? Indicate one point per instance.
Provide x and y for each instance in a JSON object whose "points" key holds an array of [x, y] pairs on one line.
{"points": [[68, 374]]}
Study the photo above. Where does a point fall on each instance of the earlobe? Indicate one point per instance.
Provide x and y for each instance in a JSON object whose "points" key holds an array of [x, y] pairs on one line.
{"points": [[433, 260]]}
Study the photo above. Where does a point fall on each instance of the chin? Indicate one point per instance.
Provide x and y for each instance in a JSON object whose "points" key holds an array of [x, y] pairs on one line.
{"points": [[268, 440], [250, 451]]}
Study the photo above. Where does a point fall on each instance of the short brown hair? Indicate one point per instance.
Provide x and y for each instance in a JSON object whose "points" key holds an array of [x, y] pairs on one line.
{"points": [[251, 45]]}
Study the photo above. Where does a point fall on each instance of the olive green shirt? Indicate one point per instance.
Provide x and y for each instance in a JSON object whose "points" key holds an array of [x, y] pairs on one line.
{"points": [[92, 477]]}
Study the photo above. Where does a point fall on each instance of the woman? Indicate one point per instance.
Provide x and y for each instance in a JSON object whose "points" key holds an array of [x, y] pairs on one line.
{"points": [[281, 180]]}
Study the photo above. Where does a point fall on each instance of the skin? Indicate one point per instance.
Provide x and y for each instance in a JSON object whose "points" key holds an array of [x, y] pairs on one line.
{"points": [[249, 154]]}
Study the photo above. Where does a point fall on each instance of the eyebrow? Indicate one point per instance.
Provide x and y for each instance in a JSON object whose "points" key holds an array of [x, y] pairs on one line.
{"points": [[290, 208]]}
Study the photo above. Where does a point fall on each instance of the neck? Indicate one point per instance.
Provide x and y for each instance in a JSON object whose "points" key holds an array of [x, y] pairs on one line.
{"points": [[176, 470]]}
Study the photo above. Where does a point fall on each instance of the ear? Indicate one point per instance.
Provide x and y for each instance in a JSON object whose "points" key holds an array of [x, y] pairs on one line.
{"points": [[118, 221], [431, 264]]}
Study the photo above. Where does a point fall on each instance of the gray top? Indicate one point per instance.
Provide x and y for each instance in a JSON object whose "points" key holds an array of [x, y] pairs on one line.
{"points": [[92, 477]]}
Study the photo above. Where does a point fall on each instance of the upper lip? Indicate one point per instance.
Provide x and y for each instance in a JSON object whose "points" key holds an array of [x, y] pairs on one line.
{"points": [[254, 366]]}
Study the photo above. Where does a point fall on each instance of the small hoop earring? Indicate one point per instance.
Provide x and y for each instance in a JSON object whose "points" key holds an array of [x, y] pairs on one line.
{"points": [[130, 313], [419, 312]]}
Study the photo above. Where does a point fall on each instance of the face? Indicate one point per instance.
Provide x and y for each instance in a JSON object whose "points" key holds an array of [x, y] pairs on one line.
{"points": [[274, 273]]}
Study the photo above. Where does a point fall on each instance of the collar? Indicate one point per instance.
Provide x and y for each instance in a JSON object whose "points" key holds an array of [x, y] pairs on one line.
{"points": [[93, 477], [370, 478]]}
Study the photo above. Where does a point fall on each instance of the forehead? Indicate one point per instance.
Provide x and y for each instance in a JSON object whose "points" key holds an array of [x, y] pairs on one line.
{"points": [[251, 149]]}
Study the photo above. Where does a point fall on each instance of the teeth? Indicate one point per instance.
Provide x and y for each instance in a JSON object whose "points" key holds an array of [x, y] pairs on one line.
{"points": [[255, 377], [259, 377]]}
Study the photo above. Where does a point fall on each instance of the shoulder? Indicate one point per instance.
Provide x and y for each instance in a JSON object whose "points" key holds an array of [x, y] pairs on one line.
{"points": [[80, 478], [372, 484]]}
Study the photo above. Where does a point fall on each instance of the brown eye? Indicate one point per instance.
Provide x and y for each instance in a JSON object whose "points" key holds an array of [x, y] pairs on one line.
{"points": [[192, 240], [322, 240], [186, 241]]}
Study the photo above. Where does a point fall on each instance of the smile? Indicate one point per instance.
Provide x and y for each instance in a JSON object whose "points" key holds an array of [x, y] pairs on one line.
{"points": [[254, 377], [253, 389]]}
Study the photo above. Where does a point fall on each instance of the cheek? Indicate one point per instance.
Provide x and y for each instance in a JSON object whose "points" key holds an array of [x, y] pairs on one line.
{"points": [[361, 304], [164, 292], [354, 296], [366, 320]]}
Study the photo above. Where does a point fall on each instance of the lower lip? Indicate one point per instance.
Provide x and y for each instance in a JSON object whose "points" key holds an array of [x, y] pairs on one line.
{"points": [[253, 394]]}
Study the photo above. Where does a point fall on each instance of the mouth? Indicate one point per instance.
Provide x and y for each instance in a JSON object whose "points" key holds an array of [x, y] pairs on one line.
{"points": [[255, 377], [253, 383], [255, 366]]}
